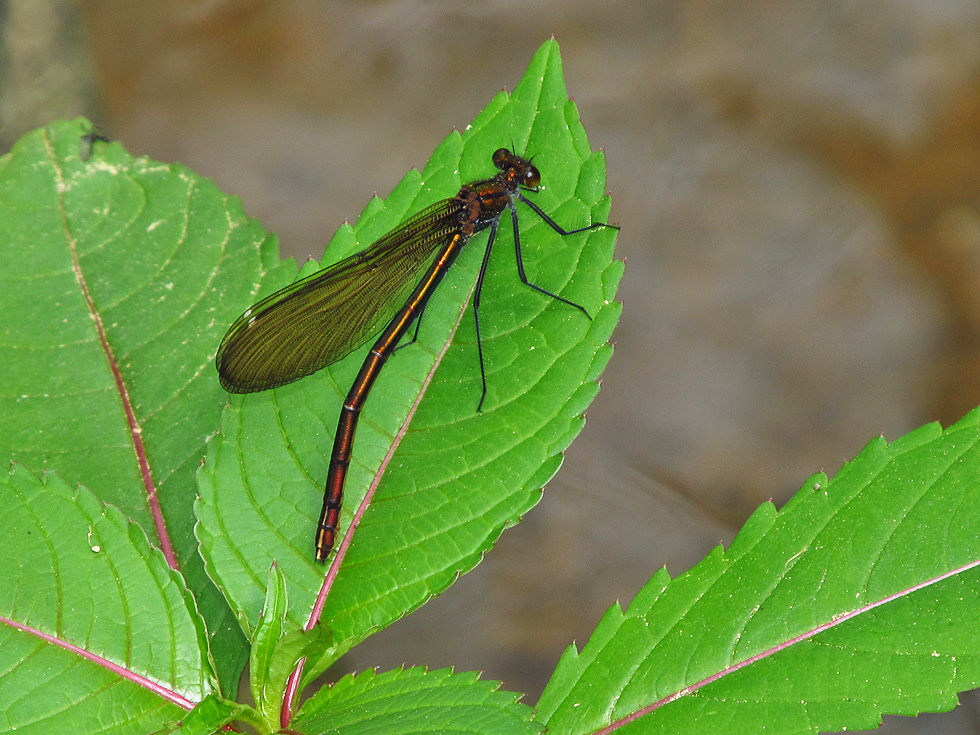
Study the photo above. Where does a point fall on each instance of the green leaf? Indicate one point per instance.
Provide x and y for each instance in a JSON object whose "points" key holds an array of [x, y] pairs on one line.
{"points": [[120, 275], [455, 478], [214, 713], [414, 701], [268, 632], [277, 646], [99, 635], [859, 598]]}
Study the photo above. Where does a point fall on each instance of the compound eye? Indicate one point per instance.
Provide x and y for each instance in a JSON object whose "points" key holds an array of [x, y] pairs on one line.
{"points": [[532, 177], [501, 158]]}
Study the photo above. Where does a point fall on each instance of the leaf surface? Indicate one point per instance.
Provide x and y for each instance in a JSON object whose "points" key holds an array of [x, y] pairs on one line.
{"points": [[857, 599], [97, 633], [119, 277], [415, 701]]}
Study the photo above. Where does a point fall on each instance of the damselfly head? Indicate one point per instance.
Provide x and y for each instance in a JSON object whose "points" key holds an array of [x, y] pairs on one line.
{"points": [[516, 169]]}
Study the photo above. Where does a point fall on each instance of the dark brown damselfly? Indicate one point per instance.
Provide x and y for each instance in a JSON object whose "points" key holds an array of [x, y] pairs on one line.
{"points": [[326, 316]]}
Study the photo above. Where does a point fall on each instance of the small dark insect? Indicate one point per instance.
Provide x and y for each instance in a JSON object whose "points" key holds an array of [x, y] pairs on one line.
{"points": [[87, 142]]}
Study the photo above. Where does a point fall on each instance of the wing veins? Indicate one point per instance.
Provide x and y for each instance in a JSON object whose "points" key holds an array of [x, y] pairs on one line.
{"points": [[324, 317]]}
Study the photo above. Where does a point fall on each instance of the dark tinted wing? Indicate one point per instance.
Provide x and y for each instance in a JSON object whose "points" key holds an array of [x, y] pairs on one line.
{"points": [[324, 317]]}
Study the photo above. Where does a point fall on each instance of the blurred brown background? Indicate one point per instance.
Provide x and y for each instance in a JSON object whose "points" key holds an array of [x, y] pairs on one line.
{"points": [[799, 190]]}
